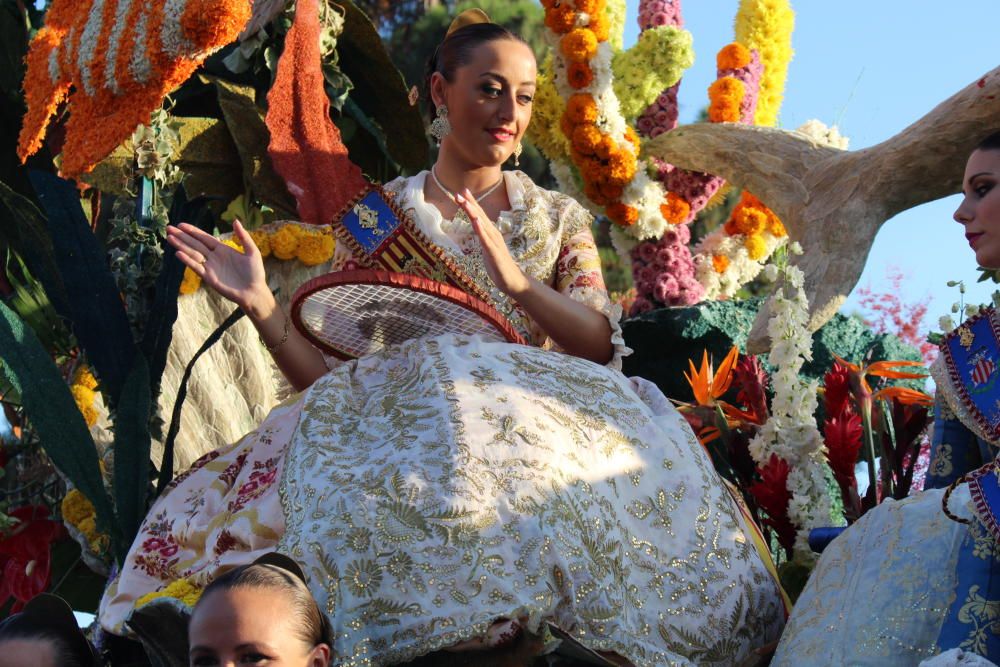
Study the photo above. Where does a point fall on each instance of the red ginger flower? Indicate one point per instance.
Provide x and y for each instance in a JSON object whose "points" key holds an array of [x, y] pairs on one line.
{"points": [[836, 389], [843, 442], [772, 496], [25, 555]]}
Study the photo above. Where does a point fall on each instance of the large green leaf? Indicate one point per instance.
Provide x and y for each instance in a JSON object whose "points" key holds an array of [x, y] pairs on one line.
{"points": [[251, 136], [379, 89], [132, 441], [33, 306], [23, 227], [50, 408], [95, 307]]}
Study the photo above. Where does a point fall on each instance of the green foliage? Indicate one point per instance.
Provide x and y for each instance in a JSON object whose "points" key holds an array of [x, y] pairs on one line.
{"points": [[132, 443], [27, 367], [411, 46]]}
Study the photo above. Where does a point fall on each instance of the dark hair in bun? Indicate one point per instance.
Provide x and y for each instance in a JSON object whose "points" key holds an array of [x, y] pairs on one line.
{"points": [[456, 50], [990, 143]]}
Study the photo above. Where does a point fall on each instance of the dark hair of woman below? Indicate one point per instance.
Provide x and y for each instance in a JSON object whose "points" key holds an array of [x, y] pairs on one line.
{"points": [[523, 651], [990, 143], [20, 626], [312, 626], [456, 50]]}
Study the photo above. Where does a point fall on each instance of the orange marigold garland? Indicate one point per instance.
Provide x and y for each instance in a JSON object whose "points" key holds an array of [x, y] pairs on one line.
{"points": [[120, 58]]}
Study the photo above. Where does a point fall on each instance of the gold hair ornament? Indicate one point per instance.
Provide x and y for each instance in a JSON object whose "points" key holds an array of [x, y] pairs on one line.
{"points": [[468, 17]]}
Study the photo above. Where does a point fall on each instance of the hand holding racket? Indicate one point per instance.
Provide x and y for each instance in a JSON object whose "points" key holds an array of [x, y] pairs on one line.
{"points": [[236, 276], [500, 266]]}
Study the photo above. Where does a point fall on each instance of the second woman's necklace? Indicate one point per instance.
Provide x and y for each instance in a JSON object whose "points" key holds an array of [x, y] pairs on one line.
{"points": [[478, 197]]}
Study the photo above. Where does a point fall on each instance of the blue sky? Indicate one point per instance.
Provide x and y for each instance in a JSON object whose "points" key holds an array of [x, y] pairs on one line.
{"points": [[872, 68]]}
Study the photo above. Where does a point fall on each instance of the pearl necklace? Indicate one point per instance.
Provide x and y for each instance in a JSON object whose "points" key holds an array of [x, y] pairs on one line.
{"points": [[482, 195]]}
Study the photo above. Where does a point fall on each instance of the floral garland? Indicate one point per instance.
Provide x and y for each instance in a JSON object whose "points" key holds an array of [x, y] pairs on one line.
{"points": [[80, 517], [311, 245], [790, 434], [655, 63], [603, 148], [114, 61]]}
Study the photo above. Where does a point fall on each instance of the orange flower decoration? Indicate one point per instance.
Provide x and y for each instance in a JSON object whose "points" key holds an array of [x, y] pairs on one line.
{"points": [[733, 56], [720, 263], [581, 108], [600, 26], [756, 247], [579, 45], [861, 389], [675, 210], [120, 59], [586, 138], [560, 20], [579, 75], [590, 6], [622, 214]]}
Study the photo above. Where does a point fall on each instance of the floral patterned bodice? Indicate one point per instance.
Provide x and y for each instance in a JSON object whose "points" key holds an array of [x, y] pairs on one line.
{"points": [[548, 235]]}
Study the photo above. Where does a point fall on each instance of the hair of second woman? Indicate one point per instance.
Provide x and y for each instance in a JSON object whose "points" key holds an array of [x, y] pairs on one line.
{"points": [[456, 50], [312, 625], [990, 143]]}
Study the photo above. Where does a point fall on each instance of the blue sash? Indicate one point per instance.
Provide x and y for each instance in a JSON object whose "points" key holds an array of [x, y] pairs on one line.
{"points": [[972, 359]]}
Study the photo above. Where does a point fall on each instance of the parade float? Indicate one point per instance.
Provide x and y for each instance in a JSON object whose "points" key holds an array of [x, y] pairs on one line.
{"points": [[117, 370]]}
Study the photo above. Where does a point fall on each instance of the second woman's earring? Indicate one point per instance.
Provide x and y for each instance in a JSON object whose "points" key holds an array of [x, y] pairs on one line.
{"points": [[517, 155], [440, 127]]}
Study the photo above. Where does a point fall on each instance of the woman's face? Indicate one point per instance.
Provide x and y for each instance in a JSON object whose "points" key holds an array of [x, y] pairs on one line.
{"points": [[489, 102], [979, 212], [249, 626]]}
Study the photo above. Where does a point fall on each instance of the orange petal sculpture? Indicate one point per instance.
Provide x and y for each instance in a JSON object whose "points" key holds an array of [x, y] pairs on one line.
{"points": [[306, 147], [113, 62]]}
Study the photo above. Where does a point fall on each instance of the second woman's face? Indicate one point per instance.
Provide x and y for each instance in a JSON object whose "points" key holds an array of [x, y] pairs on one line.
{"points": [[245, 627], [979, 211], [489, 102]]}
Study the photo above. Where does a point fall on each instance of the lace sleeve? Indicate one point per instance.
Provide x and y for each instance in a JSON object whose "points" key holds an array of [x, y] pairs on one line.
{"points": [[578, 276]]}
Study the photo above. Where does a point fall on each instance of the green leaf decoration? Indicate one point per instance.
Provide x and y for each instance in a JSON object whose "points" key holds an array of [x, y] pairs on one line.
{"points": [[380, 91], [95, 306], [132, 442], [32, 305], [47, 401], [163, 313], [23, 226], [251, 137]]}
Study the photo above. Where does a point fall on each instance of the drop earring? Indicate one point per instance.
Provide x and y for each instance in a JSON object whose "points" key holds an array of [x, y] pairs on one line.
{"points": [[517, 155], [440, 126]]}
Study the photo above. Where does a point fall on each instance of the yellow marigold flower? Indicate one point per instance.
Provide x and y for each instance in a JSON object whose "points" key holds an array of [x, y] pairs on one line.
{"points": [[756, 247], [261, 240], [76, 507], [720, 263], [544, 131], [775, 226], [315, 248], [96, 540], [675, 210], [85, 378], [191, 282], [285, 242], [84, 399], [182, 589], [579, 45], [733, 56]]}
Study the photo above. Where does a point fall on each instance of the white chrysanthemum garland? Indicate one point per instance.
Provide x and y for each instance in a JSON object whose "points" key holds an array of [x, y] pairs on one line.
{"points": [[791, 432]]}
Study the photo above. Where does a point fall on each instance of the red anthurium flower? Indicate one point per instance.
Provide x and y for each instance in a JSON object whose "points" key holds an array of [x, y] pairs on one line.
{"points": [[843, 442], [25, 555], [772, 496]]}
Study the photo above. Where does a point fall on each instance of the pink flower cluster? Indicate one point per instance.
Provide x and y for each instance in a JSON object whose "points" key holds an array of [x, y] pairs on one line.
{"points": [[654, 13], [664, 272], [661, 115]]}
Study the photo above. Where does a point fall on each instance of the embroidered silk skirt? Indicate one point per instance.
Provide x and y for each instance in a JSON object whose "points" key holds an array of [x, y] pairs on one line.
{"points": [[443, 484]]}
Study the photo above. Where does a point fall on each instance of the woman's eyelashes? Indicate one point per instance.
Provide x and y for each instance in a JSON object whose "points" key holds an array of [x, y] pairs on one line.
{"points": [[494, 91], [982, 188], [210, 660]]}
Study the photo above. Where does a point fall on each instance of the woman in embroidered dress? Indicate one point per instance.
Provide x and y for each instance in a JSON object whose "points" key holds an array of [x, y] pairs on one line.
{"points": [[907, 582], [447, 492]]}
